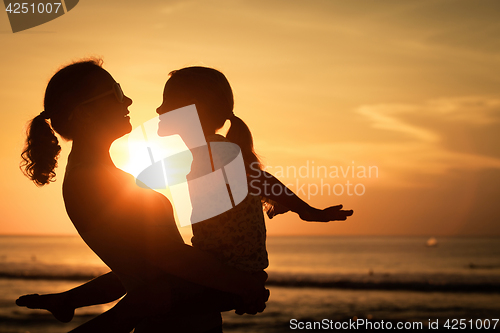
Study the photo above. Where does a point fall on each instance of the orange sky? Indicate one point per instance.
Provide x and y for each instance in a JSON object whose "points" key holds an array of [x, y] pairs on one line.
{"points": [[410, 87]]}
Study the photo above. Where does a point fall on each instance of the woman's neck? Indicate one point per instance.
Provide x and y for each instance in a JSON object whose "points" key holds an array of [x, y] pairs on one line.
{"points": [[89, 151]]}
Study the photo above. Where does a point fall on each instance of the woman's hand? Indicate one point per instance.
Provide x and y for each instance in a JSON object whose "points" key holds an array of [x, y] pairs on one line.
{"points": [[254, 301], [254, 305]]}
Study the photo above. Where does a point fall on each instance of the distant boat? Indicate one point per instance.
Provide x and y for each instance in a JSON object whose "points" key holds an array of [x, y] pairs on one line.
{"points": [[431, 242]]}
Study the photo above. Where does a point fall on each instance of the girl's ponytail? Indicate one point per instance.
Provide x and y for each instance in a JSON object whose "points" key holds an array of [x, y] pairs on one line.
{"points": [[41, 151], [240, 134]]}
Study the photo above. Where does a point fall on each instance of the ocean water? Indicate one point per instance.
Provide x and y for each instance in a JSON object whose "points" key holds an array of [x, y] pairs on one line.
{"points": [[395, 279]]}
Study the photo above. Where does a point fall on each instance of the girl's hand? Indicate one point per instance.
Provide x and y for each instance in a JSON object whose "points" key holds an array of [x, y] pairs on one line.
{"points": [[334, 213], [276, 209]]}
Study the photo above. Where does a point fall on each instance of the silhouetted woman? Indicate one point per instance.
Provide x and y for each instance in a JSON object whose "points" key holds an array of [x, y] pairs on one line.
{"points": [[131, 229]]}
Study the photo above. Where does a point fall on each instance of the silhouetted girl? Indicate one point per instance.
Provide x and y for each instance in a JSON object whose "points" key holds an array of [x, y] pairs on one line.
{"points": [[238, 236]]}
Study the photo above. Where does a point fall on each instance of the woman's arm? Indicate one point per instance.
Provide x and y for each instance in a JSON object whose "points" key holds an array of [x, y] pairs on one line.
{"points": [[129, 221], [128, 224], [191, 264]]}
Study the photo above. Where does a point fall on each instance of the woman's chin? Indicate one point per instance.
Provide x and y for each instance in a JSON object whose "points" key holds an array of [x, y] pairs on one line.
{"points": [[124, 130], [129, 128]]}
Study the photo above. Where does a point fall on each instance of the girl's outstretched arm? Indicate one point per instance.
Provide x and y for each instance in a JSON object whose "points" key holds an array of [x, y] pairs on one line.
{"points": [[266, 185]]}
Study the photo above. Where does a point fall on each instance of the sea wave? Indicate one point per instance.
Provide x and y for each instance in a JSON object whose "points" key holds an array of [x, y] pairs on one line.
{"points": [[380, 281], [409, 282], [40, 271]]}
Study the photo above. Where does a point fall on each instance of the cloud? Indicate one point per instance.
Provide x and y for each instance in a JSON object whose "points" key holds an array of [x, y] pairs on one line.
{"points": [[432, 139], [176, 6], [445, 134], [384, 117], [473, 110], [469, 125]]}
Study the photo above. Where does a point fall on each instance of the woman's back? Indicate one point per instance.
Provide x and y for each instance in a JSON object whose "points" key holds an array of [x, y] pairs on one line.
{"points": [[116, 218]]}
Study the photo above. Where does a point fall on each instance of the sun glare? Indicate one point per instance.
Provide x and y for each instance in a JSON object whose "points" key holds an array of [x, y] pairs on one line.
{"points": [[142, 148]]}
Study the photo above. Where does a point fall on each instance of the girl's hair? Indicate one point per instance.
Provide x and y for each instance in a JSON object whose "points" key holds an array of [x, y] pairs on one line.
{"points": [[66, 89], [210, 91]]}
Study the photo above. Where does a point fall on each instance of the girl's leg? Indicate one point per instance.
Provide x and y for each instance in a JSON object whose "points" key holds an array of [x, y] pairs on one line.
{"points": [[130, 310], [157, 298], [103, 289]]}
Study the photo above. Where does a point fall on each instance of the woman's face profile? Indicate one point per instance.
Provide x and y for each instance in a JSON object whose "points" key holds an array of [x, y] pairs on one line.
{"points": [[108, 113]]}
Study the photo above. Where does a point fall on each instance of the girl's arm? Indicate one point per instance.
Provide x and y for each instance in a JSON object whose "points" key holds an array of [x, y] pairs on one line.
{"points": [[262, 183]]}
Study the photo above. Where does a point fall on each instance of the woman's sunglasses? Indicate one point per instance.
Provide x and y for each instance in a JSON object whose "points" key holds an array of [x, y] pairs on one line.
{"points": [[117, 90]]}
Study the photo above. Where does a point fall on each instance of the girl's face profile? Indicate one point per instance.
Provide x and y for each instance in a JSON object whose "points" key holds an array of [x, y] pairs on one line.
{"points": [[165, 127], [170, 102]]}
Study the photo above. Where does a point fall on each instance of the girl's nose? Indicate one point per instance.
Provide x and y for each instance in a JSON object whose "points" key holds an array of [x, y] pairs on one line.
{"points": [[158, 110]]}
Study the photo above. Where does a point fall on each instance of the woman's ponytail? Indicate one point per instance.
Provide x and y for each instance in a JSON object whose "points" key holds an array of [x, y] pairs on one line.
{"points": [[41, 152], [66, 89], [240, 134]]}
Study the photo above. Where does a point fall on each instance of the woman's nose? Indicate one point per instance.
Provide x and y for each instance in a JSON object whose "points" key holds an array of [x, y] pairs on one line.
{"points": [[127, 100]]}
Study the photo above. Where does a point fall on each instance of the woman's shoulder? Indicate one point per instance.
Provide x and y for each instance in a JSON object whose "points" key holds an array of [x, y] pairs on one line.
{"points": [[95, 178]]}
